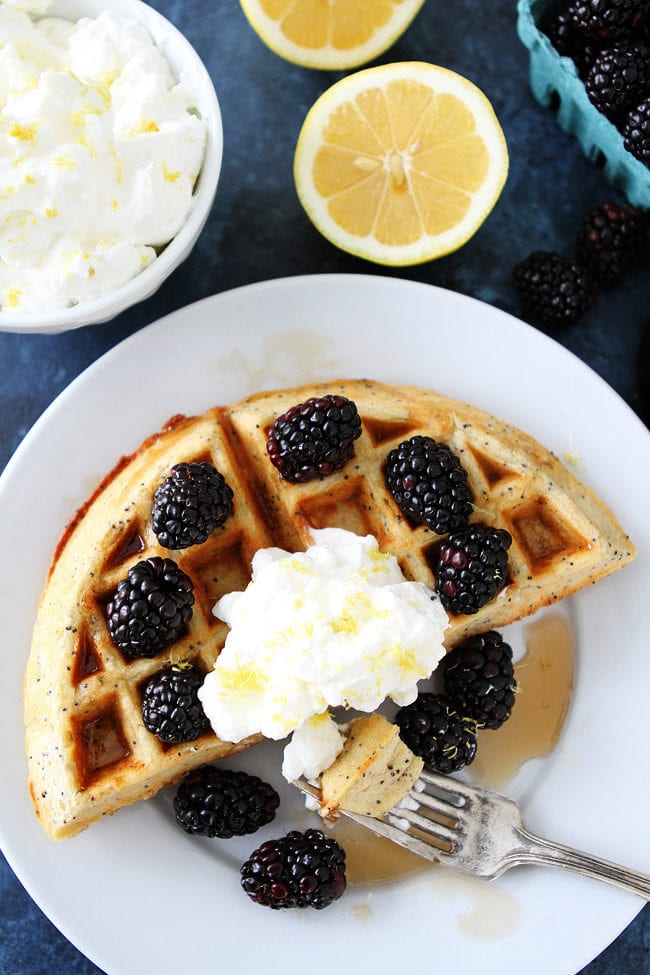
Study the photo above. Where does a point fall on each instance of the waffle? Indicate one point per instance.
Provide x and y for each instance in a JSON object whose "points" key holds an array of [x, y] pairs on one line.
{"points": [[88, 750]]}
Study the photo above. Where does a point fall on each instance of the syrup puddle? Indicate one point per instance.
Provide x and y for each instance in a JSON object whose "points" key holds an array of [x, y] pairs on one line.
{"points": [[486, 912], [545, 676], [371, 859]]}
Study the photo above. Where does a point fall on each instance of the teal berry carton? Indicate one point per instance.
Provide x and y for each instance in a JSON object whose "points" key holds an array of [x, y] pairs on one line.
{"points": [[554, 80]]}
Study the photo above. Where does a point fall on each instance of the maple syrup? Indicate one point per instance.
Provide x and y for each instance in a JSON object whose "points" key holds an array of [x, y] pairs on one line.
{"points": [[132, 544], [86, 661], [371, 859], [545, 677]]}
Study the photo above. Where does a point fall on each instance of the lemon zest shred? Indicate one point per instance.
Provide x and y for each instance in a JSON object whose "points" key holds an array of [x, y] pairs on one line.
{"points": [[82, 141], [246, 678], [24, 133], [168, 175], [144, 126], [117, 163], [64, 162]]}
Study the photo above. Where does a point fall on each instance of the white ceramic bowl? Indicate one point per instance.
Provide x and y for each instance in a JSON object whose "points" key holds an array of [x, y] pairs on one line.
{"points": [[187, 65]]}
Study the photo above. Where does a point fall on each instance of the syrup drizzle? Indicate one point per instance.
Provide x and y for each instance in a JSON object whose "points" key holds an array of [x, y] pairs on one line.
{"points": [[131, 544], [545, 676], [87, 661]]}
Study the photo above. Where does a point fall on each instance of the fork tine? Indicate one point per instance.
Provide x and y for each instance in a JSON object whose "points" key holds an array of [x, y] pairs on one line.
{"points": [[399, 835], [430, 827], [435, 804], [451, 790], [396, 832]]}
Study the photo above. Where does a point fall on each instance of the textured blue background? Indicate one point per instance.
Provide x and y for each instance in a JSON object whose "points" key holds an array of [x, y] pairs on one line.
{"points": [[258, 231]]}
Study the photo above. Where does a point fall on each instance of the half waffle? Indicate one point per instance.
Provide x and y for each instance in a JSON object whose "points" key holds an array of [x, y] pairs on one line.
{"points": [[88, 750]]}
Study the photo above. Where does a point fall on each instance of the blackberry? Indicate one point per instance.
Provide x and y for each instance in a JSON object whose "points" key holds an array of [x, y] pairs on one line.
{"points": [[218, 802], [190, 504], [170, 705], [607, 21], [435, 730], [611, 239], [296, 870], [559, 27], [150, 608], [472, 567], [556, 290], [429, 484], [314, 438], [618, 77], [636, 131], [478, 676]]}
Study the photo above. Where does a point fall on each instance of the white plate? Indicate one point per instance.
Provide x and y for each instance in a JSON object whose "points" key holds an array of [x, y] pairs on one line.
{"points": [[134, 892]]}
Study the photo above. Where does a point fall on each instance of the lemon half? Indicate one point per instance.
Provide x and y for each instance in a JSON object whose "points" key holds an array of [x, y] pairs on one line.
{"points": [[330, 34], [401, 163]]}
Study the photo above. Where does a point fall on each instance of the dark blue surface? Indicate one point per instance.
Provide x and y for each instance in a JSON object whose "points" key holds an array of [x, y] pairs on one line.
{"points": [[258, 231]]}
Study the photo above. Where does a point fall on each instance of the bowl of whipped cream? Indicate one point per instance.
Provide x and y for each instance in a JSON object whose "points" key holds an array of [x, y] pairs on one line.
{"points": [[110, 153]]}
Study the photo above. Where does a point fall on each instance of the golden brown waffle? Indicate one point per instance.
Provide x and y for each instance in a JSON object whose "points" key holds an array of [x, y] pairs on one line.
{"points": [[88, 750]]}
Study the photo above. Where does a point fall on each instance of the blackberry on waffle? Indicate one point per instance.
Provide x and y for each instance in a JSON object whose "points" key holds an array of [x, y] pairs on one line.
{"points": [[170, 705], [315, 438], [190, 504], [429, 484]]}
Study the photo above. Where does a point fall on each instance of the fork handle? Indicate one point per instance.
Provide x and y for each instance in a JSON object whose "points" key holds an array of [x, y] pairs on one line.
{"points": [[535, 849]]}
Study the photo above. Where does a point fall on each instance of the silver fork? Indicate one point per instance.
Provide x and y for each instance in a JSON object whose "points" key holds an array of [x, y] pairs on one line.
{"points": [[479, 833]]}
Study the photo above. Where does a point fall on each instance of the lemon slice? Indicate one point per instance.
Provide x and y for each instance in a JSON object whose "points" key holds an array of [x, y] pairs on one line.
{"points": [[400, 163], [330, 34]]}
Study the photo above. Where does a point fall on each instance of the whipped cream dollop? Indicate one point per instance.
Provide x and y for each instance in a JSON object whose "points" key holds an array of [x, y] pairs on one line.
{"points": [[335, 626], [100, 149]]}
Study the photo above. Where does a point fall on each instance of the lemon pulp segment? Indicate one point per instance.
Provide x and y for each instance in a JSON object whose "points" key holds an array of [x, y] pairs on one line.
{"points": [[344, 24]]}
